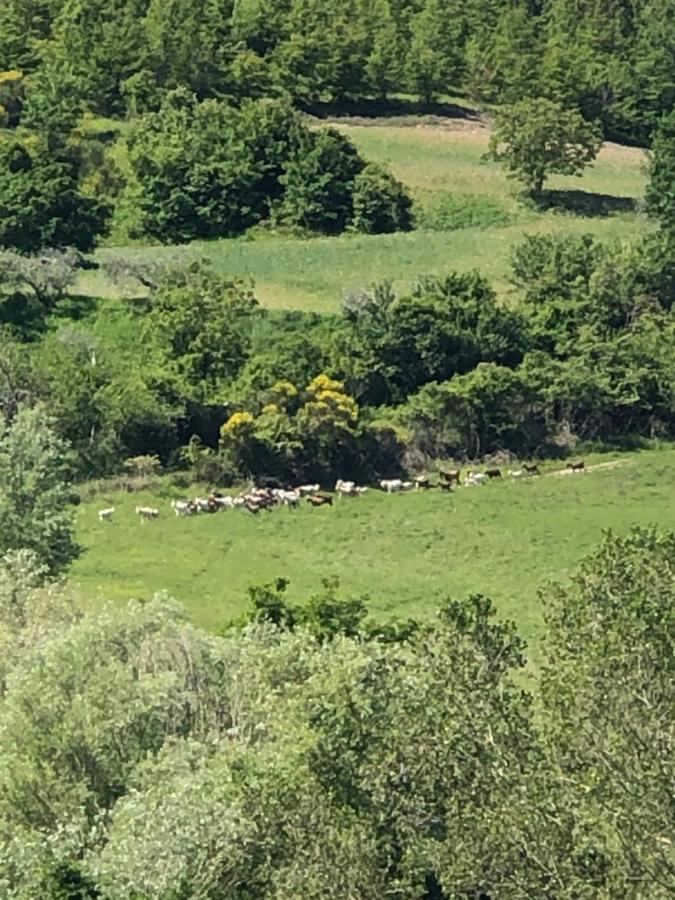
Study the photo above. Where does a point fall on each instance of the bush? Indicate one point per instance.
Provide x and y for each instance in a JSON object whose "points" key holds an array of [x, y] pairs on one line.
{"points": [[381, 204], [453, 213]]}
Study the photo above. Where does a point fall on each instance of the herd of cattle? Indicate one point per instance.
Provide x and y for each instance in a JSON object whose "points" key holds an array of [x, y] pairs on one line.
{"points": [[267, 498]]}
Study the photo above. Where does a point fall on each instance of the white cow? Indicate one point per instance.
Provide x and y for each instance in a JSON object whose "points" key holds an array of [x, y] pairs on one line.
{"points": [[391, 485], [183, 507], [516, 473], [105, 515], [346, 488], [224, 502], [307, 490], [147, 512], [407, 485], [475, 478]]}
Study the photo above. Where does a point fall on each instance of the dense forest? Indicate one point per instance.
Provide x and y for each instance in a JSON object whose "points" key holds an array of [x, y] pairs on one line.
{"points": [[312, 751]]}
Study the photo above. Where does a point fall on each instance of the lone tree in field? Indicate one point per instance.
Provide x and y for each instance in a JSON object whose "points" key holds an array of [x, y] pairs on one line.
{"points": [[537, 137]]}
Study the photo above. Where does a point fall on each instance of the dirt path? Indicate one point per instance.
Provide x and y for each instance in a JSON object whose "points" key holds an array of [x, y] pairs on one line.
{"points": [[605, 465]]}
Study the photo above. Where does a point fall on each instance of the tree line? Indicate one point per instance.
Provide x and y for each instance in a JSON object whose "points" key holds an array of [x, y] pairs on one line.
{"points": [[197, 372], [613, 61]]}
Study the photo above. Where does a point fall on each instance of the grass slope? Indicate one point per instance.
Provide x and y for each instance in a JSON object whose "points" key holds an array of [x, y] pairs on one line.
{"points": [[444, 168], [405, 551]]}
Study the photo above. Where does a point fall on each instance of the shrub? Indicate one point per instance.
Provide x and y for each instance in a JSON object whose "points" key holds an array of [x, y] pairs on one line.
{"points": [[381, 204]]}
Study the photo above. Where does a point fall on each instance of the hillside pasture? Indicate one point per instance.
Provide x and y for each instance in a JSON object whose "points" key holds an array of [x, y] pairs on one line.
{"points": [[470, 216], [405, 552]]}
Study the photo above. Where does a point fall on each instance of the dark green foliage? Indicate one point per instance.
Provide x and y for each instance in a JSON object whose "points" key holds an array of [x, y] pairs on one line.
{"points": [[660, 195], [380, 203], [205, 170], [442, 327], [41, 201], [319, 182]]}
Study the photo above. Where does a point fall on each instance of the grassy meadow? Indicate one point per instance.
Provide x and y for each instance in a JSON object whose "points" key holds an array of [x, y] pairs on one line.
{"points": [[406, 552], [470, 216]]}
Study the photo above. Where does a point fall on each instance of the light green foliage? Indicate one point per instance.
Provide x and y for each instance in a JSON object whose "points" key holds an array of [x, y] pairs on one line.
{"points": [[198, 327], [608, 696], [35, 500], [538, 137]]}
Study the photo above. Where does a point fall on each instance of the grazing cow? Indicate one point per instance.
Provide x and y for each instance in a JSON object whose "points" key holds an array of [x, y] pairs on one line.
{"points": [[345, 488], [576, 466], [391, 485], [422, 483], [475, 478], [493, 473], [147, 512], [516, 473], [319, 500], [306, 489], [223, 502], [288, 498], [183, 507], [450, 475], [531, 468], [105, 515]]}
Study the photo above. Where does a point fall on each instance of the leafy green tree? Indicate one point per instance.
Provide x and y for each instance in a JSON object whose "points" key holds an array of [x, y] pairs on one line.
{"points": [[35, 500], [489, 409], [41, 201], [324, 53], [503, 61], [319, 183], [539, 137], [199, 327], [442, 327], [434, 61], [660, 194], [30, 286], [608, 697], [380, 203]]}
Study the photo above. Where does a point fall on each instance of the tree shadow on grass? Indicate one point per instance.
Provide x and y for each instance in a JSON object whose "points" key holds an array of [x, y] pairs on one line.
{"points": [[383, 109], [585, 203]]}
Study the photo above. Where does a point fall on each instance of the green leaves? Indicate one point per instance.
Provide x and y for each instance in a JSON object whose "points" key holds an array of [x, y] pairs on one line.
{"points": [[35, 501], [539, 137]]}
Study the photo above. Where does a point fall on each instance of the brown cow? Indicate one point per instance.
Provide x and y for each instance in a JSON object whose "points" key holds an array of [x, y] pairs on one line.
{"points": [[493, 473], [450, 476], [319, 500], [423, 484], [446, 486], [576, 466], [531, 468]]}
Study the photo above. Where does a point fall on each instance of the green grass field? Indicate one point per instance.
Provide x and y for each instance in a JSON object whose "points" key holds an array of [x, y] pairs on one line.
{"points": [[441, 165], [405, 551]]}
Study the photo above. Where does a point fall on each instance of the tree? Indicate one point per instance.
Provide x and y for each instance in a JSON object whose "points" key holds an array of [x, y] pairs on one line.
{"points": [[608, 693], [199, 325], [539, 137], [41, 200], [381, 204], [33, 284], [36, 512], [434, 61], [660, 194], [319, 183]]}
